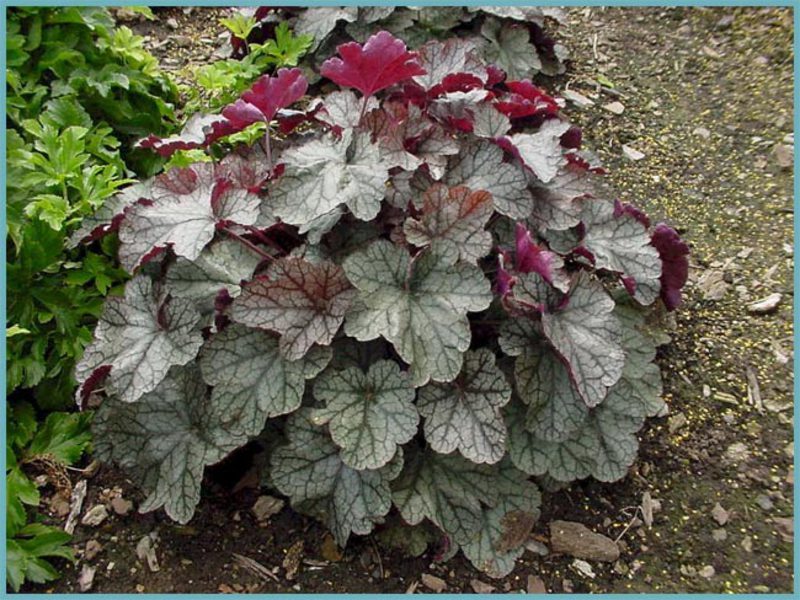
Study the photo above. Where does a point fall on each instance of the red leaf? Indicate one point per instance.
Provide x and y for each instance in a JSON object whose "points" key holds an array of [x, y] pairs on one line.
{"points": [[382, 62], [267, 96], [674, 253]]}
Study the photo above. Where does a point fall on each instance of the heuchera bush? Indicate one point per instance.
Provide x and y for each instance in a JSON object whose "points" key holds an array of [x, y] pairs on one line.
{"points": [[412, 297]]}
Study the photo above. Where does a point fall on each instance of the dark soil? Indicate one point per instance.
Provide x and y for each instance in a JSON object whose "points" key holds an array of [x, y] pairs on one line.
{"points": [[676, 71]]}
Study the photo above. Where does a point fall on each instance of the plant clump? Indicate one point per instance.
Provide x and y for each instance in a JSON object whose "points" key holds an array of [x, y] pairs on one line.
{"points": [[413, 292]]}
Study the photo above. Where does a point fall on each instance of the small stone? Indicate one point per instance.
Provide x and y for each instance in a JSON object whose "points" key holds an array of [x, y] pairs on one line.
{"points": [[720, 515], [92, 549], [535, 585], [784, 155], [481, 587], [566, 585], [747, 543], [433, 583], [86, 578], [121, 506], [725, 22], [577, 99], [701, 132], [95, 515], [676, 422], [632, 153], [785, 528], [265, 507], [291, 562], [764, 502], [537, 547], [584, 568], [146, 552], [713, 285], [578, 541], [182, 41], [719, 535], [140, 588], [711, 53], [616, 108], [707, 572], [737, 453], [765, 305], [172, 23], [706, 391], [59, 506]]}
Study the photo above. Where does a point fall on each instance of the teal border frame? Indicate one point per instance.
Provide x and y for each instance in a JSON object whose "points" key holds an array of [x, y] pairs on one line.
{"points": [[616, 3]]}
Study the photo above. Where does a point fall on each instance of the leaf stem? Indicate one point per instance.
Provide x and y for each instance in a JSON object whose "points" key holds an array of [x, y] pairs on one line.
{"points": [[363, 110], [265, 144], [248, 243]]}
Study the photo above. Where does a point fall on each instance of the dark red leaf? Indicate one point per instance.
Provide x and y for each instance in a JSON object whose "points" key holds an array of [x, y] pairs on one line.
{"points": [[674, 254], [267, 96], [526, 100], [532, 258], [572, 137], [621, 208], [382, 62]]}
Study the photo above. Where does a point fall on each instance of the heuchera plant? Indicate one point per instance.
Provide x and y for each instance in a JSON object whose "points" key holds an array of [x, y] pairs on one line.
{"points": [[413, 297]]}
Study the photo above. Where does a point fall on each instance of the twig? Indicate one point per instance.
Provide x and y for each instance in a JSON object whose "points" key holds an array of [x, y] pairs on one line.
{"points": [[76, 503], [629, 525], [254, 567]]}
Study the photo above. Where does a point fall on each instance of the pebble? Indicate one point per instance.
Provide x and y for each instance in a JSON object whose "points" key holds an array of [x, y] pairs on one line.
{"points": [[566, 585], [616, 108], [765, 305], [702, 132], [86, 578], [707, 572], [737, 453], [632, 153], [95, 515], [537, 547], [577, 98], [146, 552], [481, 587], [676, 422], [720, 515], [92, 549], [784, 155], [747, 543], [764, 502], [576, 540], [719, 535], [172, 23], [535, 585], [121, 506], [266, 506], [433, 583], [583, 568]]}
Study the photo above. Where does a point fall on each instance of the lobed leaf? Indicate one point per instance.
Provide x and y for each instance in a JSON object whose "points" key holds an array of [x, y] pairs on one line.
{"points": [[419, 306], [252, 380], [454, 217], [369, 414], [139, 337], [310, 471], [464, 415], [304, 302]]}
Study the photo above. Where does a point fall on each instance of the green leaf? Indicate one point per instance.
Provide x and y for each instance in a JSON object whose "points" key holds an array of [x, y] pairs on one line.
{"points": [[465, 415], [587, 334], [239, 25], [167, 438], [447, 489], [251, 378], [420, 306], [63, 437], [310, 471], [369, 414], [510, 49], [505, 528], [140, 336]]}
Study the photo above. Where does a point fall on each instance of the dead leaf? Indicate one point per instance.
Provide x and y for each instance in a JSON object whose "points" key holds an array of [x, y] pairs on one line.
{"points": [[330, 549], [517, 526], [86, 578], [291, 562], [76, 504], [480, 587], [647, 509], [265, 507]]}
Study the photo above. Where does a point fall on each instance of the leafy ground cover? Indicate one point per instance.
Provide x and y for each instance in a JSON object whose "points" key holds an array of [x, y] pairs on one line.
{"points": [[737, 445]]}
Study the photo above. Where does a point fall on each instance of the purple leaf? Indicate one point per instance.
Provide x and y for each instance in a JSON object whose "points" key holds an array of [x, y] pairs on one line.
{"points": [[674, 254]]}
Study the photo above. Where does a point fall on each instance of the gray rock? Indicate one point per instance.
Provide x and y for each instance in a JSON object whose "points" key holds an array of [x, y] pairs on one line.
{"points": [[172, 23], [95, 515], [575, 539]]}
